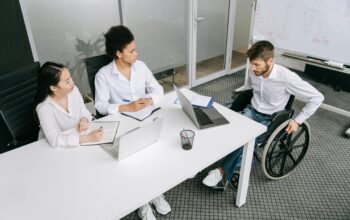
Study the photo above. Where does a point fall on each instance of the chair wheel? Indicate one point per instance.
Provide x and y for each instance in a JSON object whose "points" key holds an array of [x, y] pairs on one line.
{"points": [[283, 152]]}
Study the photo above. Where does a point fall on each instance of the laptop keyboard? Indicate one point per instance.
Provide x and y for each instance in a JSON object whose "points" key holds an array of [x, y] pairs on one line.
{"points": [[202, 118]]}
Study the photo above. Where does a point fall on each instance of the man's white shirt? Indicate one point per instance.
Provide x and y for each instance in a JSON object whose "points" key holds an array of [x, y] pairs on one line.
{"points": [[272, 94]]}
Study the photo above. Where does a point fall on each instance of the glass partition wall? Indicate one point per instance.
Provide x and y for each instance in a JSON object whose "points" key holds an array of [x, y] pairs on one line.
{"points": [[68, 31], [242, 28], [182, 41], [160, 29], [186, 42], [211, 26]]}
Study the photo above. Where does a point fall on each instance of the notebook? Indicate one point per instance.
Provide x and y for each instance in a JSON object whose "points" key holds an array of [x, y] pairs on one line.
{"points": [[134, 140], [142, 114], [202, 117], [109, 131]]}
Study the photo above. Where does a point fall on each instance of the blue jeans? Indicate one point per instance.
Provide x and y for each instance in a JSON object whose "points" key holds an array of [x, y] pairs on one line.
{"points": [[233, 161]]}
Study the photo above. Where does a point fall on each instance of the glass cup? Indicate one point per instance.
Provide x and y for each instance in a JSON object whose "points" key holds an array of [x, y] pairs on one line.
{"points": [[187, 137]]}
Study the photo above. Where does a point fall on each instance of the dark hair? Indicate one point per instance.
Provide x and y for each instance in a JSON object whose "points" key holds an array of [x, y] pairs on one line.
{"points": [[261, 49], [117, 38], [48, 75]]}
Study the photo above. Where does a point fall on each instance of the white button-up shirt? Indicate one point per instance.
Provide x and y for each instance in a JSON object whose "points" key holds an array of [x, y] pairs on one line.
{"points": [[112, 88], [272, 94], [56, 123]]}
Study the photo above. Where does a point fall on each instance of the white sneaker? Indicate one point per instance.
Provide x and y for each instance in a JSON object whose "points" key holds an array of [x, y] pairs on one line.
{"points": [[213, 178], [162, 206], [146, 212]]}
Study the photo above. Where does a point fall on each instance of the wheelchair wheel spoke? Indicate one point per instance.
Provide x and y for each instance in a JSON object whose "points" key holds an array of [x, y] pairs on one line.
{"points": [[283, 163], [298, 146], [302, 130], [289, 138], [275, 162], [277, 152], [292, 158], [283, 143]]}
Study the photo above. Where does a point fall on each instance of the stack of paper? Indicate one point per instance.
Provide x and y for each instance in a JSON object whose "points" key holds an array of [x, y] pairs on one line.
{"points": [[198, 100]]}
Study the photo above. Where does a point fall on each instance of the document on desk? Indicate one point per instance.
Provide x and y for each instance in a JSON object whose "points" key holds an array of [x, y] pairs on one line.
{"points": [[197, 99], [109, 128], [143, 113]]}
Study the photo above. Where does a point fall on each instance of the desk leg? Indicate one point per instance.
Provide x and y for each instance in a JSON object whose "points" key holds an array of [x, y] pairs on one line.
{"points": [[245, 173]]}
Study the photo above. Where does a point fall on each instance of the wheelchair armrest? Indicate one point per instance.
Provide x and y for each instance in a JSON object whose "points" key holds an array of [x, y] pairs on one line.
{"points": [[278, 118], [283, 114], [241, 99]]}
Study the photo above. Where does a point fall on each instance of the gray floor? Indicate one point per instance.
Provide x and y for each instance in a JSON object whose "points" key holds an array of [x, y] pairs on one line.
{"points": [[318, 189]]}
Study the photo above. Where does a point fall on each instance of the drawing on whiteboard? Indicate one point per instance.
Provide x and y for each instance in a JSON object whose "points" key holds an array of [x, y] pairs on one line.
{"points": [[313, 27]]}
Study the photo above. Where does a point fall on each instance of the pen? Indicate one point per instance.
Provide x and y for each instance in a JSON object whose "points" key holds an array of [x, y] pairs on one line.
{"points": [[126, 100]]}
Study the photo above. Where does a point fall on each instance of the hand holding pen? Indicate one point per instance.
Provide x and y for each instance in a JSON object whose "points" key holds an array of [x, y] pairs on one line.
{"points": [[135, 105], [93, 136]]}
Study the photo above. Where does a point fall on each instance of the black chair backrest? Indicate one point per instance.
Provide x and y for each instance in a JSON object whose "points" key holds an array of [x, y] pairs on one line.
{"points": [[6, 137], [290, 102], [93, 64], [17, 91], [242, 99]]}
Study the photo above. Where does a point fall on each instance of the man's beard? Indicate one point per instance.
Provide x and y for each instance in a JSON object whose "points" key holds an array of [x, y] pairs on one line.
{"points": [[264, 71]]}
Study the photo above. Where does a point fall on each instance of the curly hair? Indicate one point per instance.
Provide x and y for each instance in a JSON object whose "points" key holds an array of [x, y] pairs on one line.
{"points": [[117, 38]]}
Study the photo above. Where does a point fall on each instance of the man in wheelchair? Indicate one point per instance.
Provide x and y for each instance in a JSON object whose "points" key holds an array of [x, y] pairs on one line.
{"points": [[272, 86]]}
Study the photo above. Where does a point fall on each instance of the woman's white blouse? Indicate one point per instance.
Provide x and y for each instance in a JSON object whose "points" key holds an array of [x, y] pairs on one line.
{"points": [[57, 125], [113, 89]]}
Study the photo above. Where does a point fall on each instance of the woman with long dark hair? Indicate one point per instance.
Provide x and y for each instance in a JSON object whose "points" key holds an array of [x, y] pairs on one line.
{"points": [[60, 108]]}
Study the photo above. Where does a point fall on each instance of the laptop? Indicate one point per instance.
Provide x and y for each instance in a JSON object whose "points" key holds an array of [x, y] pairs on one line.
{"points": [[134, 140], [202, 117]]}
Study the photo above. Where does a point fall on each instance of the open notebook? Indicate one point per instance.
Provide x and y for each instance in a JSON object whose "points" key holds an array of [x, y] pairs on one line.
{"points": [[143, 113], [109, 131]]}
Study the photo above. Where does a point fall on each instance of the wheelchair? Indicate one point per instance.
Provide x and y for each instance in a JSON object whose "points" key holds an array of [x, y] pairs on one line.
{"points": [[279, 153]]}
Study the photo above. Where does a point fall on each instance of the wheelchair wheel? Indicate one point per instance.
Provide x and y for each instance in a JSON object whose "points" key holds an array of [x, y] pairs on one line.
{"points": [[283, 152]]}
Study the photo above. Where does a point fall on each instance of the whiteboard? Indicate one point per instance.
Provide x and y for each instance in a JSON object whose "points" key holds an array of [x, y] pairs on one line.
{"points": [[317, 28]]}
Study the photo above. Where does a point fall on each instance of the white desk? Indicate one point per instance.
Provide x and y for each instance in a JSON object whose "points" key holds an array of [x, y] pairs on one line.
{"points": [[39, 182]]}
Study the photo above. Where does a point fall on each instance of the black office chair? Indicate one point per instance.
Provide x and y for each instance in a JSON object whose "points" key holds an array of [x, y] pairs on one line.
{"points": [[17, 91], [278, 152], [93, 64]]}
